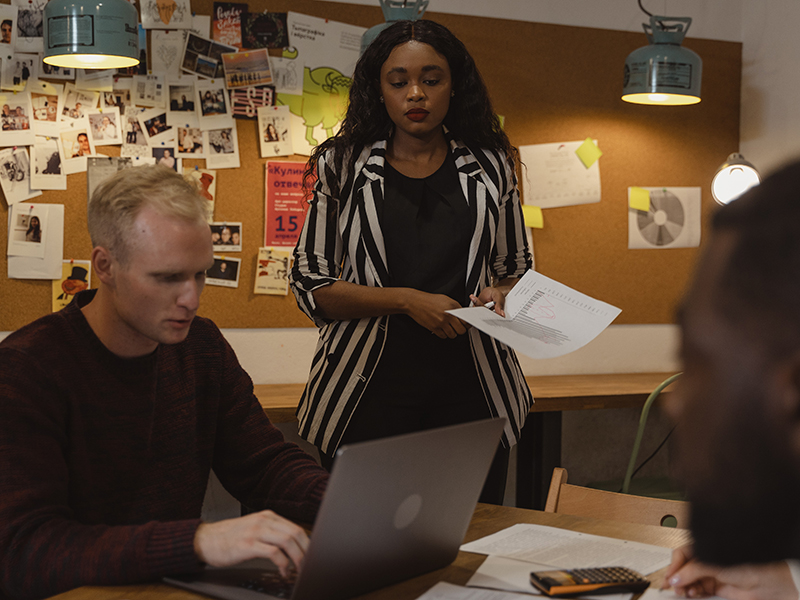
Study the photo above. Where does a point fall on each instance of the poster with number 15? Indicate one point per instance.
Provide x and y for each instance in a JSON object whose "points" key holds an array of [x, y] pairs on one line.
{"points": [[284, 205]]}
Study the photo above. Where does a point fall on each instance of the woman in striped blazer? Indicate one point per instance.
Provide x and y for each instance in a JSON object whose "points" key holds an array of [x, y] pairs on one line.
{"points": [[415, 211]]}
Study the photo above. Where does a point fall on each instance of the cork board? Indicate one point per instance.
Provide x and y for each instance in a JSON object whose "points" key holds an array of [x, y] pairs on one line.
{"points": [[552, 83]]}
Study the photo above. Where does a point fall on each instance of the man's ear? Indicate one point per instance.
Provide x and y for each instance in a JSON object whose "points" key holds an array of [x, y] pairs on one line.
{"points": [[104, 265]]}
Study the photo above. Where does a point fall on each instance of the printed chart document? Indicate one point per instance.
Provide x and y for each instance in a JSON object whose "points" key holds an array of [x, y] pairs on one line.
{"points": [[449, 591], [567, 549], [544, 318]]}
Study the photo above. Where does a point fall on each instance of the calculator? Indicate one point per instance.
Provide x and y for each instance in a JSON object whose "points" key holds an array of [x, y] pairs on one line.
{"points": [[603, 580]]}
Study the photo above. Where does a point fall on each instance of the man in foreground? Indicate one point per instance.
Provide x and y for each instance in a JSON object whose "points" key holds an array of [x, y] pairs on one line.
{"points": [[738, 402], [115, 409]]}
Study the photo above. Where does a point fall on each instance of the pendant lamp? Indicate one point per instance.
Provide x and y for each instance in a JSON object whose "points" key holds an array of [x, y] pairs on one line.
{"points": [[734, 177], [394, 10], [663, 73], [91, 34]]}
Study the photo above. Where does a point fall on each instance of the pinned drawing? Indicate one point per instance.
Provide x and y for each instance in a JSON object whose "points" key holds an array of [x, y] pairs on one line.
{"points": [[673, 220]]}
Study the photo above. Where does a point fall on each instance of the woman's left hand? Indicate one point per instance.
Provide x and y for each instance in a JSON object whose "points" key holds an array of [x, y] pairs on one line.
{"points": [[490, 294]]}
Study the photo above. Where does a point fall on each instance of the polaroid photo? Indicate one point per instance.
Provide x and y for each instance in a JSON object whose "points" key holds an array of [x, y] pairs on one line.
{"points": [[272, 272], [8, 28], [135, 142], [15, 119], [47, 164], [164, 154], [27, 230], [226, 237], [17, 70], [190, 141], [96, 80], [76, 145], [222, 148], [77, 102], [30, 25], [15, 175], [266, 30], [181, 99], [203, 57], [51, 72], [206, 186], [100, 168], [287, 75], [243, 69], [153, 122], [47, 102], [175, 14], [166, 48], [119, 96], [214, 107], [148, 90], [225, 272], [245, 102], [106, 126], [275, 131]]}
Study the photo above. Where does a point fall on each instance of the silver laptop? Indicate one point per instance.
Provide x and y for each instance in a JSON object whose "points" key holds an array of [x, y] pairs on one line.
{"points": [[394, 508]]}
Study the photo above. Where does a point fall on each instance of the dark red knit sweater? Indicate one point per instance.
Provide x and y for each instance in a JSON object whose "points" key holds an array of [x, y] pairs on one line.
{"points": [[104, 461]]}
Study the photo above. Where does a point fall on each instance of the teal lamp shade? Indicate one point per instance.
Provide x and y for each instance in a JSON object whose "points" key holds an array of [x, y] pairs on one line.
{"points": [[394, 10], [91, 34], [663, 73], [733, 179]]}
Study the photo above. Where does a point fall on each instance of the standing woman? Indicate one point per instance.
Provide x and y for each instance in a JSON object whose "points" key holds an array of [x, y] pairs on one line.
{"points": [[415, 212]]}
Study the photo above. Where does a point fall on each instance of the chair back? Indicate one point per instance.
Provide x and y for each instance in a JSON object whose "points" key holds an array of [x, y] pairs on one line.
{"points": [[600, 504]]}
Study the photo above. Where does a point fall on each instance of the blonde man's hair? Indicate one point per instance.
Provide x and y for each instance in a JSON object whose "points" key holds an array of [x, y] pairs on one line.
{"points": [[117, 202]]}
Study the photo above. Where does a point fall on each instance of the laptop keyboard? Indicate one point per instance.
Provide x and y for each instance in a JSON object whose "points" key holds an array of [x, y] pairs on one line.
{"points": [[271, 582]]}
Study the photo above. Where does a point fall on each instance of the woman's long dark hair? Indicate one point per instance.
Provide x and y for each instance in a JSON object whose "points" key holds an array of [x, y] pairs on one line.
{"points": [[35, 229], [470, 117]]}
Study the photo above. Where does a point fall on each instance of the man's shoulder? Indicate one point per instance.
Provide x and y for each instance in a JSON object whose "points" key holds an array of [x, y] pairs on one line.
{"points": [[42, 333]]}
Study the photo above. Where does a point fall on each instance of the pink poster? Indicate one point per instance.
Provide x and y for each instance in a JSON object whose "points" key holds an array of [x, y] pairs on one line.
{"points": [[285, 204]]}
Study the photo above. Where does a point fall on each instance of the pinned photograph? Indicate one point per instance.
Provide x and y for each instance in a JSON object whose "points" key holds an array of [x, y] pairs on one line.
{"points": [[51, 72], [164, 154], [76, 276], [149, 90], [190, 142], [243, 69], [47, 100], [266, 30], [203, 57], [272, 272], [225, 272], [275, 135], [181, 97], [226, 237], [105, 125], [153, 122], [77, 102], [8, 28], [135, 143], [26, 231], [15, 175], [17, 70], [245, 102], [206, 186], [15, 119], [47, 160], [30, 25], [222, 148], [166, 14], [100, 168], [76, 145], [214, 104], [119, 96]]}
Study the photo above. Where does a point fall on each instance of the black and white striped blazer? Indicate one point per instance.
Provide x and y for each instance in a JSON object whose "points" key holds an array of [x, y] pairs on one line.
{"points": [[343, 239]]}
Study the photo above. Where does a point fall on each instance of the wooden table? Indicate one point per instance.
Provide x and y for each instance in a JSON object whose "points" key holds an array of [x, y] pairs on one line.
{"points": [[486, 520], [540, 445]]}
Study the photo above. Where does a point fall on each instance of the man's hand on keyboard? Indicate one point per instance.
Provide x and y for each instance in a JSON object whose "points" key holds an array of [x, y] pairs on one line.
{"points": [[259, 535]]}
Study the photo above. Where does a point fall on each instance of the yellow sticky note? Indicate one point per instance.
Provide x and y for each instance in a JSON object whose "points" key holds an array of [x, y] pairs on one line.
{"points": [[639, 198], [588, 152], [502, 120], [533, 216]]}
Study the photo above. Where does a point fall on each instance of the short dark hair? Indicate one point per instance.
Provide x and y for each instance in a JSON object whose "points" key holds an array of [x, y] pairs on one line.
{"points": [[760, 284]]}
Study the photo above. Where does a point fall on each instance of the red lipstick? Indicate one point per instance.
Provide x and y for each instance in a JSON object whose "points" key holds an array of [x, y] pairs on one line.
{"points": [[417, 114]]}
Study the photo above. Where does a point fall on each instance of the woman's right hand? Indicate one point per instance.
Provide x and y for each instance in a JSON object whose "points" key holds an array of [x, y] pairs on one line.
{"points": [[429, 311]]}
